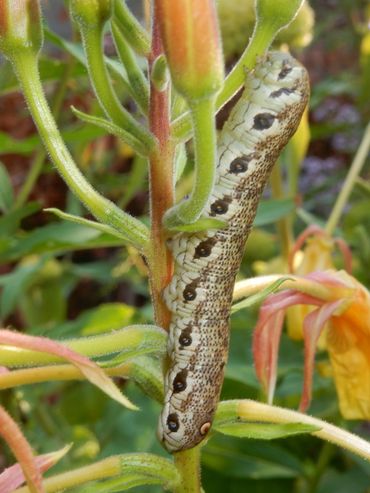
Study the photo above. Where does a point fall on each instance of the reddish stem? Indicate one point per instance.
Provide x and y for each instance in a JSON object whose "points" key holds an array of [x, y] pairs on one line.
{"points": [[161, 187]]}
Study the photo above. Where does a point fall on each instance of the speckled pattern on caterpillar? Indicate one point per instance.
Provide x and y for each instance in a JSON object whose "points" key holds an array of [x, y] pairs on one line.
{"points": [[206, 263]]}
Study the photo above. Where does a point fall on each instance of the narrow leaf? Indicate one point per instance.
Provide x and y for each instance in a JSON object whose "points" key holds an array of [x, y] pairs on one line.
{"points": [[264, 431], [6, 189], [259, 297], [113, 129], [87, 222]]}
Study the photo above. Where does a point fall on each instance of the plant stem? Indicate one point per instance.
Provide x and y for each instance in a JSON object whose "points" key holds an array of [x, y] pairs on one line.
{"points": [[27, 376], [129, 338], [256, 411], [283, 224], [13, 436], [25, 65], [106, 468], [325, 455], [92, 41], [188, 465], [38, 161], [139, 84], [254, 285], [205, 146], [349, 182], [161, 190]]}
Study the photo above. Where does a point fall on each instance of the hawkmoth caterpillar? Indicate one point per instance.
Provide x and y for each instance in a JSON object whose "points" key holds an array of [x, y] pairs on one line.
{"points": [[206, 263]]}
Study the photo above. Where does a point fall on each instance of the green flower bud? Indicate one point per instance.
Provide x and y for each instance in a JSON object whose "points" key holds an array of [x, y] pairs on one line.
{"points": [[91, 13], [20, 26]]}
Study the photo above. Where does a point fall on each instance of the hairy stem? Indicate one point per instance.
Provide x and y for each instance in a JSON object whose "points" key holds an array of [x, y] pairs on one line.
{"points": [[349, 182], [205, 146], [25, 65], [188, 465], [161, 190], [106, 468], [283, 224]]}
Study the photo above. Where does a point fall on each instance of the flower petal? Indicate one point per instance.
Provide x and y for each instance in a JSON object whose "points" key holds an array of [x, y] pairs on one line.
{"points": [[312, 327], [13, 476]]}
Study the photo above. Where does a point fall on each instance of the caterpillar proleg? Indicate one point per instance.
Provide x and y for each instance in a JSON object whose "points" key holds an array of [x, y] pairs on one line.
{"points": [[206, 263]]}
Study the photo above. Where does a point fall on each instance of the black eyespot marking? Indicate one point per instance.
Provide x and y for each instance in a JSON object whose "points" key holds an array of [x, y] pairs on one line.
{"points": [[285, 71], [283, 90], [219, 207], [263, 121], [185, 337], [173, 422], [240, 164], [204, 248], [190, 293], [179, 383]]}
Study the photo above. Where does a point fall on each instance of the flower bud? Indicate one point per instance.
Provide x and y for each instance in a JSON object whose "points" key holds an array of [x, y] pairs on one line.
{"points": [[192, 46], [20, 26], [277, 14], [91, 13]]}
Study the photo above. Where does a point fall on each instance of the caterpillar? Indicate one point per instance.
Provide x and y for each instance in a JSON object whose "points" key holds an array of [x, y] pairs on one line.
{"points": [[199, 294]]}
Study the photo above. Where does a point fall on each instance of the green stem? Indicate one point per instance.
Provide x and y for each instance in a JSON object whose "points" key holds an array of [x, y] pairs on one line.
{"points": [[283, 224], [106, 468], [249, 410], [259, 43], [325, 455], [55, 373], [125, 339], [92, 41], [26, 68], [38, 161], [349, 182], [205, 144], [188, 465], [139, 84], [133, 31]]}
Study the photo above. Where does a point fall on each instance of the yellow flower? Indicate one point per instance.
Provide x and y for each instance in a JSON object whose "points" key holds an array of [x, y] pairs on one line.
{"points": [[349, 349], [317, 255], [347, 307]]}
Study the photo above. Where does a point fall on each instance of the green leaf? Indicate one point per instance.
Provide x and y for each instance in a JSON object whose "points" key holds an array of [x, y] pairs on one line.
{"points": [[113, 129], [264, 431], [134, 181], [56, 238], [9, 223], [86, 222], [106, 317], [270, 211], [250, 458], [6, 189], [259, 297], [15, 283]]}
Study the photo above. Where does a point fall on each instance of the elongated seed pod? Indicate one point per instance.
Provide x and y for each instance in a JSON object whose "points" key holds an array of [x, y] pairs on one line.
{"points": [[206, 263]]}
